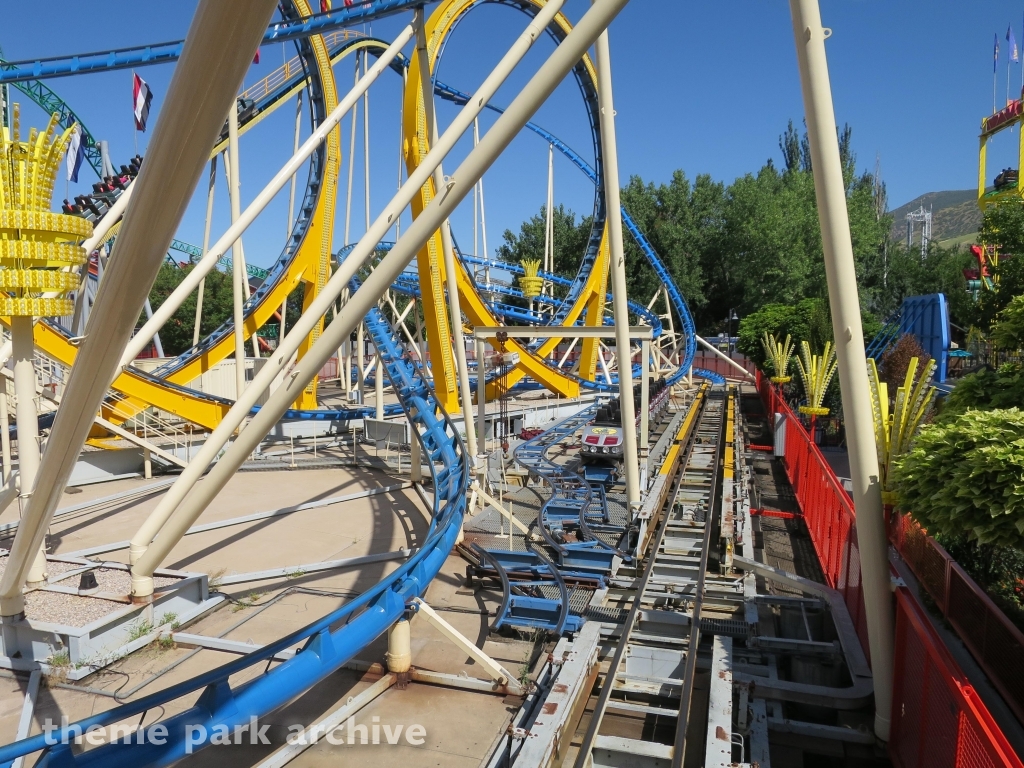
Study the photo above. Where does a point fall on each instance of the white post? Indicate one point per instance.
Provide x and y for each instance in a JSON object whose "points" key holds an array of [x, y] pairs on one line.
{"points": [[549, 234], [378, 390], [447, 244], [237, 268], [206, 247], [23, 349], [5, 430], [830, 192], [645, 403], [295, 151], [481, 402], [360, 349], [620, 307], [291, 204]]}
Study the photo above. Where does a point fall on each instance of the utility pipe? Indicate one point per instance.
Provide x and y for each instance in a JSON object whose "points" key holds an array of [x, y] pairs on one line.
{"points": [[216, 55], [23, 346], [620, 304], [830, 193], [209, 261], [206, 248], [508, 125], [326, 298]]}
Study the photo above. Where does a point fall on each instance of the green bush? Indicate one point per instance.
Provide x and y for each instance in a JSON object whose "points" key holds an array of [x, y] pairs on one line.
{"points": [[966, 476], [985, 390], [1008, 329]]}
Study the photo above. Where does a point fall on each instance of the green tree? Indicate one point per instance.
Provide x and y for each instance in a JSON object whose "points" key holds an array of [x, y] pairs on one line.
{"points": [[1002, 226], [176, 335], [571, 239]]}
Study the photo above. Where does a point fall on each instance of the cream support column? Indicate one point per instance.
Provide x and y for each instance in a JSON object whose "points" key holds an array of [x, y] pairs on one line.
{"points": [[28, 425], [217, 52], [481, 403], [830, 192], [457, 187], [378, 390], [5, 431], [620, 306], [206, 247], [291, 203], [237, 265], [360, 349]]}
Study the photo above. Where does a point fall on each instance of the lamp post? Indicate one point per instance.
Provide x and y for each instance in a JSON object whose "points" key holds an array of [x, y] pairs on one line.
{"points": [[732, 316]]}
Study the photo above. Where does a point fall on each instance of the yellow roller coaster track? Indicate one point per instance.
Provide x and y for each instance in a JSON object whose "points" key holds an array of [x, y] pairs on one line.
{"points": [[430, 265]]}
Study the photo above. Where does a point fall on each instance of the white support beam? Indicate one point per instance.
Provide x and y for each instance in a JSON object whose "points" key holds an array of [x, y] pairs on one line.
{"points": [[493, 669], [727, 359], [302, 570], [315, 732], [27, 710]]}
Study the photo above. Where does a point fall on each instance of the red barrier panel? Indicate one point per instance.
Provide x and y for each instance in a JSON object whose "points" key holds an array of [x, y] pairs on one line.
{"points": [[993, 640], [938, 719], [826, 507]]}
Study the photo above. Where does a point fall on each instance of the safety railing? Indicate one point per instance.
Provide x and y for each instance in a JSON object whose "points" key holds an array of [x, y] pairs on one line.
{"points": [[293, 67], [938, 717], [996, 644], [827, 508]]}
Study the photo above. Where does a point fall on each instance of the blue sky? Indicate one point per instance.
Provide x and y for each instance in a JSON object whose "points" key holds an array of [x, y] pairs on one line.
{"points": [[702, 87]]}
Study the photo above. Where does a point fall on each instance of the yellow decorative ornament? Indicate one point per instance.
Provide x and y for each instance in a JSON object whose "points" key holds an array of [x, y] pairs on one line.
{"points": [[816, 372], [530, 282], [895, 431], [780, 355], [37, 247]]}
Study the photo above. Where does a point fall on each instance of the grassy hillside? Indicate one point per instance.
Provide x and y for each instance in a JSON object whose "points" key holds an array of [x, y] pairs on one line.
{"points": [[955, 214]]}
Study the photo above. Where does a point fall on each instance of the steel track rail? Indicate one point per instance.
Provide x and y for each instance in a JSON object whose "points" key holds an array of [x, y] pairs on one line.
{"points": [[583, 757], [686, 695]]}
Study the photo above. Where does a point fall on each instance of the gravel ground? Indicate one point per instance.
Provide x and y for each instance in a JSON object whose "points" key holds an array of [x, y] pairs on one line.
{"points": [[78, 610]]}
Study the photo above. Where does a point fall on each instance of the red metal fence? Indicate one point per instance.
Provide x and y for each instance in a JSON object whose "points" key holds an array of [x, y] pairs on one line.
{"points": [[827, 508], [938, 719], [996, 644]]}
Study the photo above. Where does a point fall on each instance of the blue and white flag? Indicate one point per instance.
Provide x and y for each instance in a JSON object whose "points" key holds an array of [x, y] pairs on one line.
{"points": [[76, 152], [1012, 47]]}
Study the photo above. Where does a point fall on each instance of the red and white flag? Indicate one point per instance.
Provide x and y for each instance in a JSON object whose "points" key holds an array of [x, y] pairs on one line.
{"points": [[142, 97]]}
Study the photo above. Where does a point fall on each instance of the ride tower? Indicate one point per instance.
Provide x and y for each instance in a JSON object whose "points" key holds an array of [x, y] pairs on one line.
{"points": [[1006, 185]]}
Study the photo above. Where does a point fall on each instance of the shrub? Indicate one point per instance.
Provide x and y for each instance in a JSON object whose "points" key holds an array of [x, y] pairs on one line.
{"points": [[896, 361], [1008, 330], [985, 390], [966, 477]]}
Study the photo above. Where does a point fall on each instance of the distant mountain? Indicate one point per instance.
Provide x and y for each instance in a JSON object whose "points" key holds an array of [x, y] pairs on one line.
{"points": [[955, 213]]}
